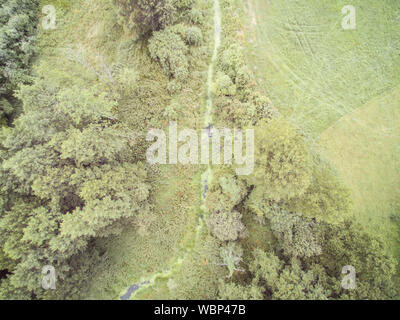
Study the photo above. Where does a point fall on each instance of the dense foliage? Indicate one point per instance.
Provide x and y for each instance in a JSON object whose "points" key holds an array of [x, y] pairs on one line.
{"points": [[147, 16], [273, 275], [76, 193], [18, 20], [69, 174]]}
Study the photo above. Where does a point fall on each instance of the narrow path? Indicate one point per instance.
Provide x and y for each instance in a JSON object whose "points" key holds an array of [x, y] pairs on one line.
{"points": [[206, 177]]}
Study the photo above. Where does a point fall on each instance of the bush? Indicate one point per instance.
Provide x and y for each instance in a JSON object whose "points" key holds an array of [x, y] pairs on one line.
{"points": [[193, 36], [225, 193], [232, 60], [147, 16], [184, 4], [196, 17], [227, 226], [224, 85], [168, 48]]}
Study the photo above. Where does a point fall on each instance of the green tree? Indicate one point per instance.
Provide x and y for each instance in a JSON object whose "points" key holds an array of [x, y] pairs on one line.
{"points": [[69, 175], [193, 36], [226, 226], [282, 161], [348, 244], [234, 291], [272, 278], [169, 49], [320, 276], [146, 16], [18, 20], [326, 199], [226, 192], [231, 256], [297, 235]]}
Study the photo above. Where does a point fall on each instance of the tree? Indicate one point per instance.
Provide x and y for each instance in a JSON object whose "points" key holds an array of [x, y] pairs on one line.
{"points": [[281, 281], [193, 36], [222, 197], [271, 278], [231, 256], [69, 175], [226, 226], [348, 244], [226, 192], [147, 16], [231, 61], [297, 235], [320, 276], [224, 85], [234, 291], [18, 20], [184, 4], [282, 161], [297, 284], [237, 99], [168, 48], [326, 199]]}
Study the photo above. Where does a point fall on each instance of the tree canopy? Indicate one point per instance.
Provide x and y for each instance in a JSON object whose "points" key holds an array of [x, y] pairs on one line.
{"points": [[69, 174], [18, 20]]}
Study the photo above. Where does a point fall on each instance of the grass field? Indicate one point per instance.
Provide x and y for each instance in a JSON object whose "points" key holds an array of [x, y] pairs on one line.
{"points": [[364, 146], [314, 71], [341, 87]]}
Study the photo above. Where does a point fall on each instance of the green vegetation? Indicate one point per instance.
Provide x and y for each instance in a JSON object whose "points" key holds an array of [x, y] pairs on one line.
{"points": [[77, 193], [341, 88], [314, 71], [370, 138], [18, 21], [283, 162]]}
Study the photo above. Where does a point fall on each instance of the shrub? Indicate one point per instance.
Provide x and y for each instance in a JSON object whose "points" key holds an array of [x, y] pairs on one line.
{"points": [[183, 4], [193, 36], [196, 17], [147, 16], [224, 85], [168, 48], [226, 226], [232, 60]]}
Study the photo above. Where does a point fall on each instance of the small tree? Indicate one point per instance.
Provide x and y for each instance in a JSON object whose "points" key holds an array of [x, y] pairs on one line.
{"points": [[168, 48], [147, 16], [282, 161], [227, 226], [231, 257], [193, 36]]}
